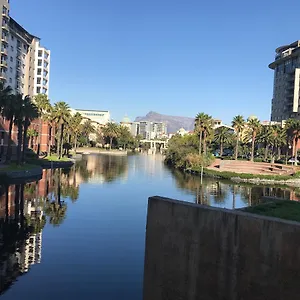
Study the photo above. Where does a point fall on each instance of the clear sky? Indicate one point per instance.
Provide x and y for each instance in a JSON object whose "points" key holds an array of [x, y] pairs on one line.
{"points": [[177, 57]]}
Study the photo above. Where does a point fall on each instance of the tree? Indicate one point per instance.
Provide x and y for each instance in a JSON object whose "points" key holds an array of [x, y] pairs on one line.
{"points": [[204, 127], [44, 107], [254, 127], [61, 114], [87, 128], [293, 130], [110, 130], [264, 137], [238, 124], [8, 112], [222, 136], [125, 138], [31, 134], [75, 124], [30, 112]]}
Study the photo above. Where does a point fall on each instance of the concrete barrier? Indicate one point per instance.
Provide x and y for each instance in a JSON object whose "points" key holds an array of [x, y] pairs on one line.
{"points": [[197, 252]]}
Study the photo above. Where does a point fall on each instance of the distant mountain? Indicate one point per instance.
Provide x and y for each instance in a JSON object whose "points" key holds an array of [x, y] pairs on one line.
{"points": [[173, 122]]}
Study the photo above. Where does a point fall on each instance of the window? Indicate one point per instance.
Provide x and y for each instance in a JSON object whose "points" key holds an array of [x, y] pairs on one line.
{"points": [[38, 81], [10, 80], [24, 56], [25, 47], [12, 48], [39, 62], [38, 89], [40, 53], [39, 71], [10, 69], [4, 10], [22, 85], [11, 59]]}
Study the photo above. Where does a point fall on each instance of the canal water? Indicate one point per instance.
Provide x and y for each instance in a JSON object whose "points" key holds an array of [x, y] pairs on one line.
{"points": [[80, 233]]}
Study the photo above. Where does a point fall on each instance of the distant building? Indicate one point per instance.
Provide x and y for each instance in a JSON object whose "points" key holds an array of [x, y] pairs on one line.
{"points": [[182, 132], [286, 92], [152, 130], [126, 123], [102, 117]]}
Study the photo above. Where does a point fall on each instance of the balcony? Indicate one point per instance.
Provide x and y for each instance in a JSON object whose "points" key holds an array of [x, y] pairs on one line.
{"points": [[3, 63], [4, 51], [2, 76], [5, 27], [4, 39]]}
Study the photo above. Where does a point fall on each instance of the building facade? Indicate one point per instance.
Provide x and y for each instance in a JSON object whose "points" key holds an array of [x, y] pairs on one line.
{"points": [[151, 130], [286, 66], [102, 117]]}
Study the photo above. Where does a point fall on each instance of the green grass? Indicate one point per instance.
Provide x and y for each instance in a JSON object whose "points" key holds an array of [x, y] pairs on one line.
{"points": [[55, 158], [284, 209], [229, 175], [15, 167]]}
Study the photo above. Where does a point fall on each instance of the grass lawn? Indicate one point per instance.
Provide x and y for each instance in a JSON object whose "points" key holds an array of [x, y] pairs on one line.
{"points": [[284, 209], [15, 167], [55, 158]]}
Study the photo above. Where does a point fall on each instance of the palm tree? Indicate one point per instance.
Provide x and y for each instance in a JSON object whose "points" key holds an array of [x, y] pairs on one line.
{"points": [[238, 124], [61, 114], [87, 128], [203, 126], [31, 134], [8, 112], [43, 105], [254, 127], [293, 130], [30, 112], [111, 130], [75, 124], [5, 92], [264, 137], [278, 139], [222, 136]]}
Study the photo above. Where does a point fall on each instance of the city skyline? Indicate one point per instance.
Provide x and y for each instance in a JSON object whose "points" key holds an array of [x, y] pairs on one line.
{"points": [[149, 56]]}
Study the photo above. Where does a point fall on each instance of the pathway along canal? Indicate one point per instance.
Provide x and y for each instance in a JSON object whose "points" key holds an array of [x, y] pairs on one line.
{"points": [[80, 233]]}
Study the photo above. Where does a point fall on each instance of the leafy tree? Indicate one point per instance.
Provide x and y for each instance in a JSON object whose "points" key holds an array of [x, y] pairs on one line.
{"points": [[111, 130], [265, 137], [44, 109], [254, 127], [125, 138], [238, 124], [61, 115], [87, 128], [204, 127], [75, 124], [32, 134], [222, 136]]}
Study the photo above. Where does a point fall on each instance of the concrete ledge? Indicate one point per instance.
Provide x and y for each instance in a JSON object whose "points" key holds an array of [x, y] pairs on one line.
{"points": [[23, 174], [57, 164], [201, 252]]}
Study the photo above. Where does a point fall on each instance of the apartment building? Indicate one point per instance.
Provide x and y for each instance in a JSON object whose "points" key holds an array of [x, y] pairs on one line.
{"points": [[101, 117], [286, 66], [25, 67], [151, 130]]}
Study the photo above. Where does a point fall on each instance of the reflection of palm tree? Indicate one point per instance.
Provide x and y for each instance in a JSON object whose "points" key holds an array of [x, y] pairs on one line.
{"points": [[56, 212]]}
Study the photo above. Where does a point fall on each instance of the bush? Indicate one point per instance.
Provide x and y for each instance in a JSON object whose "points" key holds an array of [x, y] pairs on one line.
{"points": [[196, 161]]}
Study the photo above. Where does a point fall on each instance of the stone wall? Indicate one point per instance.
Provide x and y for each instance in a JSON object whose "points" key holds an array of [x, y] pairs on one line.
{"points": [[197, 252]]}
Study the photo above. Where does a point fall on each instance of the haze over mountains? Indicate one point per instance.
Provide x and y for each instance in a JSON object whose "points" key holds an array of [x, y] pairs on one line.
{"points": [[174, 123]]}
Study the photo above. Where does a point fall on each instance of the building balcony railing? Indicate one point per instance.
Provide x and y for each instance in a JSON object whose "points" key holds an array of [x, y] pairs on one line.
{"points": [[4, 39], [3, 64], [5, 27], [4, 51], [5, 15], [2, 76]]}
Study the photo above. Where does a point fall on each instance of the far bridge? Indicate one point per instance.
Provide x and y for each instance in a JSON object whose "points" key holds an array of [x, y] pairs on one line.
{"points": [[155, 145]]}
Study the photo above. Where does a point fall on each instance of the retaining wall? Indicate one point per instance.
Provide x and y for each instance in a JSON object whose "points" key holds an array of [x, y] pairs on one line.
{"points": [[197, 252]]}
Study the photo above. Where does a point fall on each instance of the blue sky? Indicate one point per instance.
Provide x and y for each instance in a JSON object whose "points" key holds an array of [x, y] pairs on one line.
{"points": [[177, 57]]}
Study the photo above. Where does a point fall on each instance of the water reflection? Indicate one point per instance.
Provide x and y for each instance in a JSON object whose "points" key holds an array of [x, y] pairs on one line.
{"points": [[217, 192]]}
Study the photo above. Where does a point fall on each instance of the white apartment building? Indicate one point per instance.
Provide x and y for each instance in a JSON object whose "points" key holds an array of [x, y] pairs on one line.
{"points": [[24, 63], [101, 117], [151, 130]]}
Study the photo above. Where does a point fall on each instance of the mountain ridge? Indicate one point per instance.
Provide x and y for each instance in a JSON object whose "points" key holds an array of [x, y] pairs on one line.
{"points": [[174, 123]]}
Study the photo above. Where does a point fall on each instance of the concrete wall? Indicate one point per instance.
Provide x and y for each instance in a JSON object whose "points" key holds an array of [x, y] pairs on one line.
{"points": [[197, 252]]}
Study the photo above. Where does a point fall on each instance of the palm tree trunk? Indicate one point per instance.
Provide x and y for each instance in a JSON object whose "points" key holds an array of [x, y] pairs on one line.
{"points": [[221, 148], [252, 148], [9, 142], [75, 143], [25, 146], [19, 148], [295, 150], [111, 139], [278, 152], [200, 143], [266, 151], [61, 139], [233, 198], [204, 142], [40, 136], [58, 143], [237, 145]]}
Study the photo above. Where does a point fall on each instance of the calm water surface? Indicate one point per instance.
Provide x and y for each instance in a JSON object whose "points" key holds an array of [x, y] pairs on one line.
{"points": [[79, 233]]}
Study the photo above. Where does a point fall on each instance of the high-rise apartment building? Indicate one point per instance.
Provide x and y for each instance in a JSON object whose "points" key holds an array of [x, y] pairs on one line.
{"points": [[286, 66], [151, 130], [24, 63]]}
